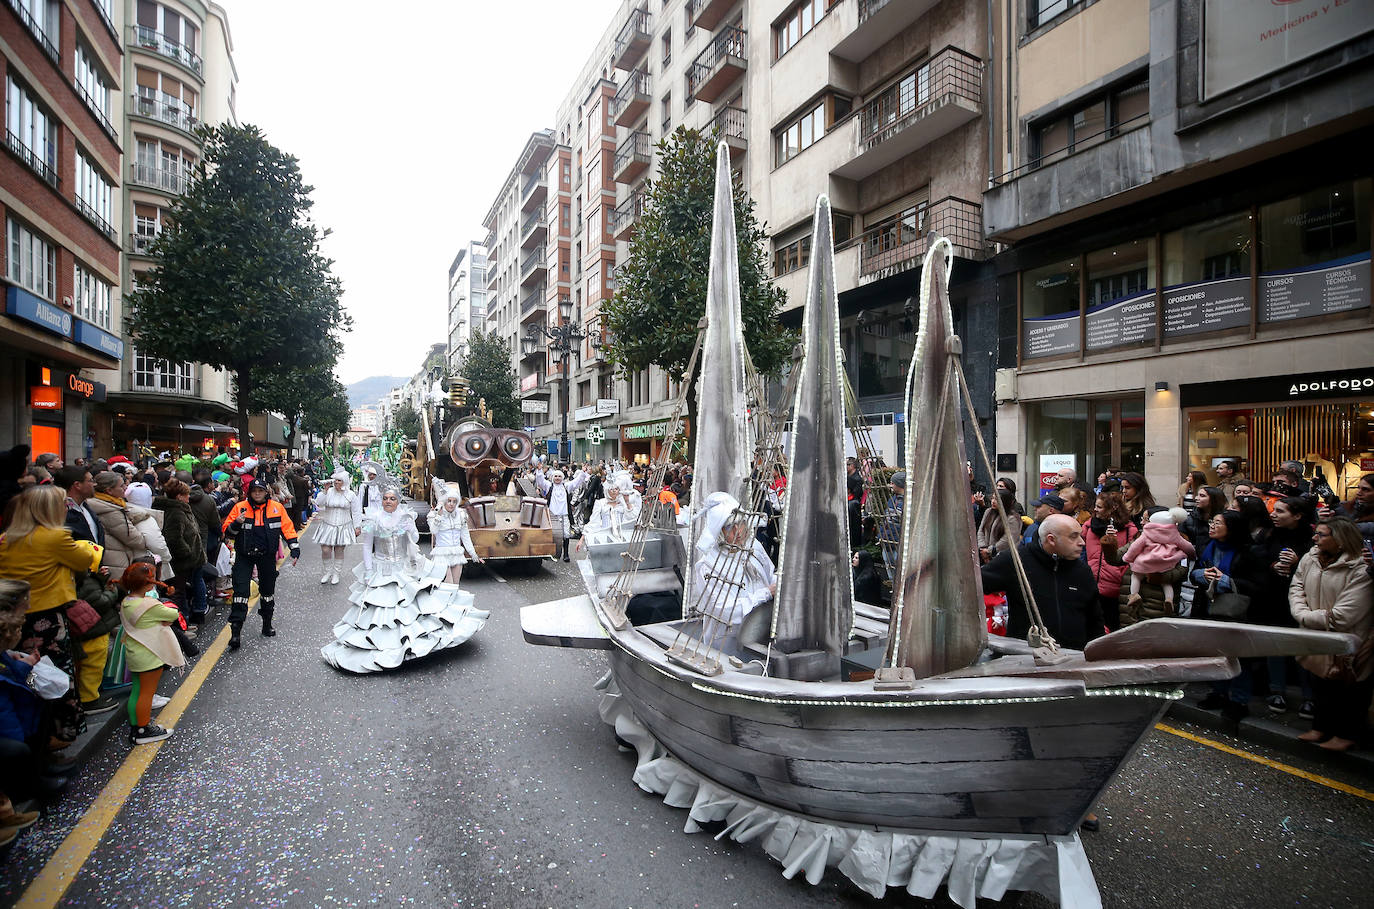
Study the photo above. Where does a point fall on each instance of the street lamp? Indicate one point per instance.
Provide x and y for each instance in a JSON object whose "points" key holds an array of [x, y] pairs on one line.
{"points": [[562, 338]]}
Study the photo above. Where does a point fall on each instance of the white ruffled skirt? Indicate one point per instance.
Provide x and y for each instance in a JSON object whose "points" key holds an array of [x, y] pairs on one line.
{"points": [[397, 616], [333, 534], [444, 556]]}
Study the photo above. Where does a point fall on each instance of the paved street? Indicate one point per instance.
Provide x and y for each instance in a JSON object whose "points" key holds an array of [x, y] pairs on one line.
{"points": [[483, 777]]}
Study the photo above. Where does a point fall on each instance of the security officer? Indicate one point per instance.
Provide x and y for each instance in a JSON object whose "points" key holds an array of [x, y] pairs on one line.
{"points": [[256, 526]]}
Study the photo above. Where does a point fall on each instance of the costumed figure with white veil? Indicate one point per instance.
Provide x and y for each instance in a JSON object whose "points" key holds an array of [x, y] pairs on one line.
{"points": [[369, 498], [612, 518], [337, 523], [401, 606], [732, 574], [448, 523]]}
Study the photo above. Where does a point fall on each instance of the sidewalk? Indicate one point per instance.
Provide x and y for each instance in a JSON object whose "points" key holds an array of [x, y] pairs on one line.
{"points": [[1278, 731]]}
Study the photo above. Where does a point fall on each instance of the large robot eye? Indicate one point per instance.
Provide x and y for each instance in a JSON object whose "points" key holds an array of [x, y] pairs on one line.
{"points": [[473, 446], [516, 448]]}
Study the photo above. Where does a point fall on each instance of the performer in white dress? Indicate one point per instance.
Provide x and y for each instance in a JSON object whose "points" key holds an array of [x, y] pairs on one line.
{"points": [[611, 515], [401, 609], [448, 524], [337, 523], [370, 491], [732, 575], [559, 495]]}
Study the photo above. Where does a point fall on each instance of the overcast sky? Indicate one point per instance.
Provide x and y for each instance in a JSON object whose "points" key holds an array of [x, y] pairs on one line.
{"points": [[406, 126]]}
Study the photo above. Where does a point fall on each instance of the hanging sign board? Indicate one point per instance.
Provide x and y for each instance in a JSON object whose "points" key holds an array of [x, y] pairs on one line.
{"points": [[1050, 465]]}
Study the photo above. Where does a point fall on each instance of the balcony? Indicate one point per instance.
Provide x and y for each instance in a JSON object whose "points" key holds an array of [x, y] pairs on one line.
{"points": [[899, 243], [95, 110], [534, 192], [869, 24], [632, 41], [707, 13], [532, 302], [632, 157], [533, 229], [180, 383], [626, 215], [32, 160], [731, 123], [633, 98], [167, 179], [90, 214], [149, 39], [533, 268], [925, 104], [172, 113], [141, 244], [717, 67]]}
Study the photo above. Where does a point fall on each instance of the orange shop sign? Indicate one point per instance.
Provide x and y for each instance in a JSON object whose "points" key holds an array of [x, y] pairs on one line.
{"points": [[45, 397]]}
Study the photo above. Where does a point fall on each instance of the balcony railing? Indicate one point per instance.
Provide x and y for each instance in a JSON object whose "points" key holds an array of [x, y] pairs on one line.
{"points": [[899, 243], [632, 157], [717, 67], [151, 39], [36, 30], [97, 219], [531, 300], [141, 244], [950, 74], [632, 98], [624, 218], [31, 159], [533, 183], [632, 40], [165, 383], [168, 179], [166, 112], [101, 7], [532, 261], [732, 123], [95, 110]]}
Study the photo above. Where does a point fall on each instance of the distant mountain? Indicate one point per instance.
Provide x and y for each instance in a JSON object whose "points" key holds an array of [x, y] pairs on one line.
{"points": [[371, 389]]}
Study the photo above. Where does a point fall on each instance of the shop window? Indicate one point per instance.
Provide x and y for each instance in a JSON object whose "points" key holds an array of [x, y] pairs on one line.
{"points": [[1050, 309], [1121, 295], [1097, 434], [1207, 276], [1315, 253], [878, 344]]}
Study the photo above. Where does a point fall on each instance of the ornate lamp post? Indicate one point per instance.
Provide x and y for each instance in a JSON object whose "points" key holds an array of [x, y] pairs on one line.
{"points": [[562, 339]]}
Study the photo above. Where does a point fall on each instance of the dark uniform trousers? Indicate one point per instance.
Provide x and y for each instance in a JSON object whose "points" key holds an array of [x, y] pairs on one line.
{"points": [[266, 564]]}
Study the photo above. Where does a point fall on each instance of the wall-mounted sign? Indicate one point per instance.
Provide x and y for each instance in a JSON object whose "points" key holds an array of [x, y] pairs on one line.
{"points": [[1047, 336], [21, 304], [1191, 309], [534, 405], [1341, 285], [655, 430], [1130, 320], [608, 406], [1264, 389], [530, 382], [1245, 40], [45, 397], [88, 335], [582, 414], [595, 434]]}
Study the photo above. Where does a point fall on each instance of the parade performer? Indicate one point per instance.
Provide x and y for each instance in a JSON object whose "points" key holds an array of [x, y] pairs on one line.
{"points": [[611, 514], [448, 523], [337, 523], [559, 496], [369, 497], [732, 573], [257, 527], [400, 609]]}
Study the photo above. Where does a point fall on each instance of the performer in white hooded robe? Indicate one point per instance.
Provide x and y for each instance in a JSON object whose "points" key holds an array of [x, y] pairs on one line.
{"points": [[337, 522], [611, 516], [448, 524], [732, 574], [400, 608], [370, 490], [559, 496]]}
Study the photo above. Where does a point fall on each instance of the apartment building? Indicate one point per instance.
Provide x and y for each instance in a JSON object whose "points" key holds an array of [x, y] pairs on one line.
{"points": [[60, 200], [179, 70], [1183, 190], [879, 104], [467, 300]]}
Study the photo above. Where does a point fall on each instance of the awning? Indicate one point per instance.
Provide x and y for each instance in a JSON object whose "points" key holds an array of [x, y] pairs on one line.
{"points": [[208, 427]]}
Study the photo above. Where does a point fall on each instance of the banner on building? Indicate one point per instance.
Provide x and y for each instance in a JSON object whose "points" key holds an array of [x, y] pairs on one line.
{"points": [[1191, 309], [1129, 320], [1048, 336], [1245, 40], [1341, 285]]}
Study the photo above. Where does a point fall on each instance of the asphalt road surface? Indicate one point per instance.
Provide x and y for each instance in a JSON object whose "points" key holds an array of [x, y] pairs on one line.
{"points": [[482, 777]]}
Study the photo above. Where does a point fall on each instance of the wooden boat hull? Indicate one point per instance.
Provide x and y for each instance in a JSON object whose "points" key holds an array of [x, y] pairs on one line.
{"points": [[1007, 765]]}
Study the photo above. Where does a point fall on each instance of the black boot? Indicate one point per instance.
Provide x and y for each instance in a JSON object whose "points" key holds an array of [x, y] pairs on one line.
{"points": [[188, 646], [265, 609], [565, 549], [235, 629]]}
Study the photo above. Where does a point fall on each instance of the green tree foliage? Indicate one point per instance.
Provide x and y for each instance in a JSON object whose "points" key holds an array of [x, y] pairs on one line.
{"points": [[490, 377], [293, 393], [240, 283], [661, 289], [406, 421], [328, 412]]}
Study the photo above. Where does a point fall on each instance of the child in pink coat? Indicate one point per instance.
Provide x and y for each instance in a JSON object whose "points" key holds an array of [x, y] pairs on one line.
{"points": [[1159, 548]]}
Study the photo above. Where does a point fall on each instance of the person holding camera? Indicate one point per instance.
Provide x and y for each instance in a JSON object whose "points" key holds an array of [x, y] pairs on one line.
{"points": [[257, 527]]}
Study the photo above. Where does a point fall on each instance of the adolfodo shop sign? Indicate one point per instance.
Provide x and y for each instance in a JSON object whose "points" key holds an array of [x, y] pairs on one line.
{"points": [[1313, 386]]}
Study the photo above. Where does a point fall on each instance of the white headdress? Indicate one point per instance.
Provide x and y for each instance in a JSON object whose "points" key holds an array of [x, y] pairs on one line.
{"points": [[341, 474], [715, 516], [247, 465], [556, 475], [444, 491], [378, 471]]}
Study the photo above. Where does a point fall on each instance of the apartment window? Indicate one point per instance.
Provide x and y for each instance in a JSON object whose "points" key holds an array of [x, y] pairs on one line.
{"points": [[94, 192], [796, 22], [33, 260], [567, 172], [92, 84], [153, 374], [793, 256], [667, 113], [32, 133], [798, 135], [667, 41], [43, 18], [842, 226], [91, 297], [565, 216], [1041, 11], [1091, 123]]}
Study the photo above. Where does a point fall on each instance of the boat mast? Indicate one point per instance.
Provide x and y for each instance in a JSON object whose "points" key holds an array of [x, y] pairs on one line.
{"points": [[814, 604], [938, 623]]}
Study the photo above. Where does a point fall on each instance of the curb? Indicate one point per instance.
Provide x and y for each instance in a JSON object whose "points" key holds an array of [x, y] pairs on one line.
{"points": [[1261, 729]]}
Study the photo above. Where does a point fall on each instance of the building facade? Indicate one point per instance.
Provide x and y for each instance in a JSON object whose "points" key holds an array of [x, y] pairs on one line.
{"points": [[1185, 210], [467, 301], [179, 70], [60, 180]]}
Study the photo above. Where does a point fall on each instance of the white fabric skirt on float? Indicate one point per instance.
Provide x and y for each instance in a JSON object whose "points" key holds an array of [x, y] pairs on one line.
{"points": [[399, 617], [333, 534]]}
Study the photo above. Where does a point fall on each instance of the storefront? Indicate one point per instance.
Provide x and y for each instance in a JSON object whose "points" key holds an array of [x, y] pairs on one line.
{"points": [[57, 405], [642, 442]]}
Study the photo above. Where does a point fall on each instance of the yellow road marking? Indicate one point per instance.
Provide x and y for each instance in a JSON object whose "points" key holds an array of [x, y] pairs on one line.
{"points": [[57, 875], [1284, 768]]}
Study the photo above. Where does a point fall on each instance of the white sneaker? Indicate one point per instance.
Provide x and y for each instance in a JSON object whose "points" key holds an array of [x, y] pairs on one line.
{"points": [[324, 578], [334, 578], [159, 701]]}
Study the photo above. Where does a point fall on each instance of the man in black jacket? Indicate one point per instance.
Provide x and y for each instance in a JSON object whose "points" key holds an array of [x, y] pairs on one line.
{"points": [[1063, 585]]}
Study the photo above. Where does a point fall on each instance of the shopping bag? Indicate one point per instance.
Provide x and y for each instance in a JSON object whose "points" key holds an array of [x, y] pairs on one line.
{"points": [[224, 563], [116, 673], [47, 681]]}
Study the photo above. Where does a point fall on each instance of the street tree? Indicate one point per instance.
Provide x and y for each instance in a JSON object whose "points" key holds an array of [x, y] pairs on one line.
{"points": [[239, 282], [490, 377], [329, 412], [293, 393], [406, 421], [660, 293]]}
